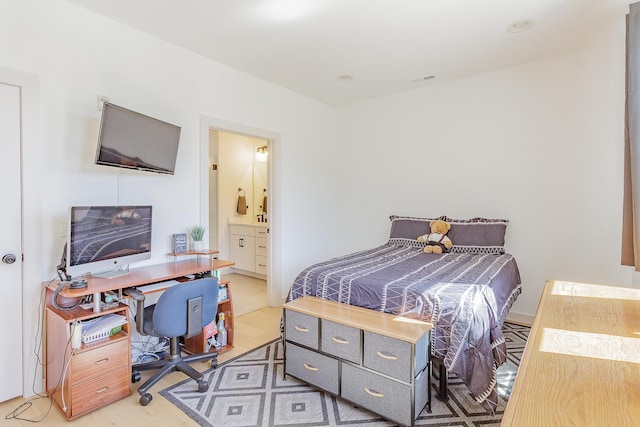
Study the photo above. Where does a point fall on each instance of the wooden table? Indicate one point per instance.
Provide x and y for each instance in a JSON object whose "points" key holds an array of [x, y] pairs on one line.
{"points": [[581, 365]]}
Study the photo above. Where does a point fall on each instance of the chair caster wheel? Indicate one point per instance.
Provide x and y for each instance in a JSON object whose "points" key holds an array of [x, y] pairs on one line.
{"points": [[203, 386], [214, 364], [135, 377], [145, 399]]}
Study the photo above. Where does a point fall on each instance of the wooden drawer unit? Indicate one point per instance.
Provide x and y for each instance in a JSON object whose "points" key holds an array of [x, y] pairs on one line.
{"points": [[96, 374], [372, 359]]}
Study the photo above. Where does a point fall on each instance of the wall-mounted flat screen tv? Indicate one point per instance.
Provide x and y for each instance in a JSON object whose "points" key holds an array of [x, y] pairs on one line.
{"points": [[128, 139], [104, 239]]}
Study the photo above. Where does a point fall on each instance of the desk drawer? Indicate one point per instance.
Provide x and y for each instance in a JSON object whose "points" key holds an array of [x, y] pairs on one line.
{"points": [[100, 390], [302, 328], [99, 360], [313, 368]]}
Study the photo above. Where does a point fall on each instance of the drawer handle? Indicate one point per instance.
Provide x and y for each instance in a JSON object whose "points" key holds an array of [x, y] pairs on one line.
{"points": [[339, 340], [101, 361], [311, 368], [301, 329], [373, 392], [102, 390], [386, 356]]}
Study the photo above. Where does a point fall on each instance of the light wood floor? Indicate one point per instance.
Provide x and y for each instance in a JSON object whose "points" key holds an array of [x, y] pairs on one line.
{"points": [[248, 293], [259, 324]]}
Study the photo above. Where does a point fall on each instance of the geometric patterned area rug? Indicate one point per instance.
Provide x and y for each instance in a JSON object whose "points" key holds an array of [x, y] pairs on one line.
{"points": [[250, 391]]}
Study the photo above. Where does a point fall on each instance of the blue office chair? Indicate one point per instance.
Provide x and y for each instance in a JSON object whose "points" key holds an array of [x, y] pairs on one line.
{"points": [[181, 311]]}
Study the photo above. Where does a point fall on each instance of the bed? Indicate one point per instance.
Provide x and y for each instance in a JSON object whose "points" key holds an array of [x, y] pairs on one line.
{"points": [[466, 293]]}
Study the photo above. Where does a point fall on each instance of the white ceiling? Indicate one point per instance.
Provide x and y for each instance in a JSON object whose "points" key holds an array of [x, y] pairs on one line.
{"points": [[387, 46]]}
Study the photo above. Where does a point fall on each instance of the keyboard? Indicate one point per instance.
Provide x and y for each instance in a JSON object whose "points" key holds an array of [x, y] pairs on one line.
{"points": [[159, 286]]}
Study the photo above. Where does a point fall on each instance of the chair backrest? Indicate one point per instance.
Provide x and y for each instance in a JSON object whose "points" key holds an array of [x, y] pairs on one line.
{"points": [[173, 310]]}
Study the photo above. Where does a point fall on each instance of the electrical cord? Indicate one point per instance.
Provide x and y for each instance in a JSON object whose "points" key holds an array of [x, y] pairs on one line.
{"points": [[64, 374], [23, 407], [54, 298], [145, 347], [37, 349], [16, 414]]}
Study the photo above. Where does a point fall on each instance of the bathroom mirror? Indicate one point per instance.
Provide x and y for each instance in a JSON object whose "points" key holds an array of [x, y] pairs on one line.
{"points": [[260, 190]]}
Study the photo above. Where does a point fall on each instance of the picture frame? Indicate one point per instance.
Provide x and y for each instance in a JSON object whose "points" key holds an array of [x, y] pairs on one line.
{"points": [[179, 243]]}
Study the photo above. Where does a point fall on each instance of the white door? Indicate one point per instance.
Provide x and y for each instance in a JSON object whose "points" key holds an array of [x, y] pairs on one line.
{"points": [[10, 245]]}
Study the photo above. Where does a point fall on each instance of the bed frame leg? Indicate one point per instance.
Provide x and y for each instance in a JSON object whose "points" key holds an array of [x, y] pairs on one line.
{"points": [[443, 395]]}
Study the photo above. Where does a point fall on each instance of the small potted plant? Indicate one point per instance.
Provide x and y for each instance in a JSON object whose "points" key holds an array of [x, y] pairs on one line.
{"points": [[197, 234]]}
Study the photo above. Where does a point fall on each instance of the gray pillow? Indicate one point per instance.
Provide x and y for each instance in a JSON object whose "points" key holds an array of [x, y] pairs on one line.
{"points": [[405, 230], [477, 235]]}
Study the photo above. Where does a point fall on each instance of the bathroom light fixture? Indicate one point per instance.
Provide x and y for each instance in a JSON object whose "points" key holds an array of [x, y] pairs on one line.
{"points": [[261, 154]]}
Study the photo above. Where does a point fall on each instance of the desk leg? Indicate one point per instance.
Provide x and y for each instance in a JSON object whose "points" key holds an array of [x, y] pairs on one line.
{"points": [[96, 303]]}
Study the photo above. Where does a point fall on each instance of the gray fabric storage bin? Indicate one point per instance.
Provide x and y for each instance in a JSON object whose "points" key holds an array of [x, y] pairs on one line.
{"points": [[395, 400], [302, 328], [387, 355], [341, 341], [313, 368]]}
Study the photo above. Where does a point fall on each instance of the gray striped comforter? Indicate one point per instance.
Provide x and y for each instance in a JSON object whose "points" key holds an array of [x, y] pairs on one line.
{"points": [[465, 296]]}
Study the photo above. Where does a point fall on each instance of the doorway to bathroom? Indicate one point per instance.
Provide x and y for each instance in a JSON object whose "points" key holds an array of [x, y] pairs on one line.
{"points": [[239, 208]]}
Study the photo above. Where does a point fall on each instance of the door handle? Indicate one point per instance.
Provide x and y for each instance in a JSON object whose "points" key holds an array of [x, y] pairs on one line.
{"points": [[9, 259]]}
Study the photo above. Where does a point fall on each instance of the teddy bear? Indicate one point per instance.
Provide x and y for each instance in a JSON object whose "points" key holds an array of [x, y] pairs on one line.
{"points": [[437, 241]]}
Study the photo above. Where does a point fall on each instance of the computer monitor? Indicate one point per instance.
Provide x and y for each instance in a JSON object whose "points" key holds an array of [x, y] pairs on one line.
{"points": [[102, 240]]}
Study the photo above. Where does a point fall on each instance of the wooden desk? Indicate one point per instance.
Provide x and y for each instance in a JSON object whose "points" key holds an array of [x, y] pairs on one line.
{"points": [[144, 276], [581, 365], [98, 373]]}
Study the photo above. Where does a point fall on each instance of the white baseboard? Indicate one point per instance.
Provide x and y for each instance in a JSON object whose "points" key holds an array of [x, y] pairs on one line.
{"points": [[520, 318]]}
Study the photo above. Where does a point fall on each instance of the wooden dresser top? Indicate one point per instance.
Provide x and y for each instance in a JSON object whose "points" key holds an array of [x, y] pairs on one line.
{"points": [[403, 328]]}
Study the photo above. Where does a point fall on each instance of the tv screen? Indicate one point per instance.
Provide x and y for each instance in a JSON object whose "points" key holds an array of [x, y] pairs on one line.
{"points": [[128, 139], [103, 239]]}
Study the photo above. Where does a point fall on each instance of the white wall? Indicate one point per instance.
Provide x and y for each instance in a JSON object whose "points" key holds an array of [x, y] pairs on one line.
{"points": [[76, 55], [540, 144]]}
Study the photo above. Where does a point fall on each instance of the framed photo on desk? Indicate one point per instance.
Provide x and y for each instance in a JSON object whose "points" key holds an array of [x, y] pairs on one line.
{"points": [[179, 243]]}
